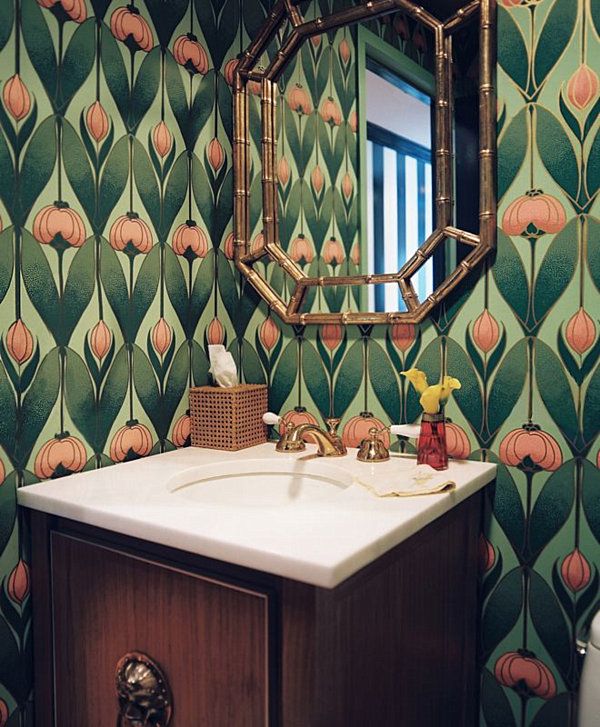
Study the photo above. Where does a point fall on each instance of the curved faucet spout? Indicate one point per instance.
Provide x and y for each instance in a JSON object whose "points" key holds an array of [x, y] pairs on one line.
{"points": [[329, 443]]}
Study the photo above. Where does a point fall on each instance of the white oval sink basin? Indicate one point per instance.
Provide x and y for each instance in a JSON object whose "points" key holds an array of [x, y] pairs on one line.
{"points": [[260, 482]]}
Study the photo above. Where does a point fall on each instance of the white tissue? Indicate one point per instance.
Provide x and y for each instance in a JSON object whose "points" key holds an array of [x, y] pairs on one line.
{"points": [[222, 366]]}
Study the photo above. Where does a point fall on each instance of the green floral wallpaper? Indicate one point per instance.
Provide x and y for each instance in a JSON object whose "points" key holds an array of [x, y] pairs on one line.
{"points": [[115, 274]]}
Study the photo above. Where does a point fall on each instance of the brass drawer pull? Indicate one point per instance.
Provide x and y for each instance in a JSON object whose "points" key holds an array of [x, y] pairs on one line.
{"points": [[143, 692]]}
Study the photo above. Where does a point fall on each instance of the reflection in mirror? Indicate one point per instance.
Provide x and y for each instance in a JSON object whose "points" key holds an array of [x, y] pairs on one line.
{"points": [[336, 292], [347, 177], [399, 183]]}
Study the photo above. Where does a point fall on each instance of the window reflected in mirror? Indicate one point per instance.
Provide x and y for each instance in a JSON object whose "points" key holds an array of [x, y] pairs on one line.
{"points": [[399, 182]]}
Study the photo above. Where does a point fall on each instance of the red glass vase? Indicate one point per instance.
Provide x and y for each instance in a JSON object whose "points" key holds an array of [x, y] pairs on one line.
{"points": [[431, 448]]}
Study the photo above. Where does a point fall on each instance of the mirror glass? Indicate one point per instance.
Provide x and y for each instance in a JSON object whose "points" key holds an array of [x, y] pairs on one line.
{"points": [[356, 135]]}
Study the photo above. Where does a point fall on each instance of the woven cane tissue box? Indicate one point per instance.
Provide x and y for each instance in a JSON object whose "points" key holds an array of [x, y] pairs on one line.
{"points": [[229, 418]]}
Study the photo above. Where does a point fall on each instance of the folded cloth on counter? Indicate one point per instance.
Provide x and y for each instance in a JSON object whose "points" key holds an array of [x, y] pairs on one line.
{"points": [[416, 479]]}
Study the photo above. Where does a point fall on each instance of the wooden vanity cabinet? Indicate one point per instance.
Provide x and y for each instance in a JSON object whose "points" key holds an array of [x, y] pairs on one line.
{"points": [[392, 646]]}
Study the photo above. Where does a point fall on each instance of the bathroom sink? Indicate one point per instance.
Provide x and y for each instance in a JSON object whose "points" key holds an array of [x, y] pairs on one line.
{"points": [[261, 482], [295, 515]]}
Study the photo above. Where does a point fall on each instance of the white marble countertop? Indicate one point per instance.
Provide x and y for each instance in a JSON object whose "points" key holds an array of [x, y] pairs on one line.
{"points": [[321, 541]]}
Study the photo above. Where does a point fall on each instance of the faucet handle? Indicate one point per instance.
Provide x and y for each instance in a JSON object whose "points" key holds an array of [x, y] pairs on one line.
{"points": [[332, 424], [271, 418], [411, 431], [373, 449]]}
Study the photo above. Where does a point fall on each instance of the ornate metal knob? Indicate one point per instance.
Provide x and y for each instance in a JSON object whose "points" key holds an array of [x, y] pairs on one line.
{"points": [[332, 424], [143, 692]]}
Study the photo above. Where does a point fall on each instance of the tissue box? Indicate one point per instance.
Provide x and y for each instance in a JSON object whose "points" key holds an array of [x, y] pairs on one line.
{"points": [[230, 418]]}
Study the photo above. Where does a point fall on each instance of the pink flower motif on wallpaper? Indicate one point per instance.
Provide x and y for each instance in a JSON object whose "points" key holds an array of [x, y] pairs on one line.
{"points": [[190, 241], [4, 713], [215, 155], [258, 243], [283, 171], [128, 26], [229, 71], [254, 87], [400, 25], [162, 139], [582, 87], [522, 671], [534, 214], [353, 121], [182, 429], [19, 342], [331, 335], [299, 100], [331, 112], [333, 252], [2, 473], [301, 250], [530, 448], [59, 225], [269, 333], [18, 584], [132, 440], [347, 186], [97, 121], [344, 51], [161, 336], [357, 428], [580, 332], [70, 9], [61, 455], [403, 335], [317, 179], [215, 333], [457, 441], [355, 253], [419, 40], [100, 340], [486, 331], [296, 416], [575, 571], [129, 233], [229, 246], [190, 54], [16, 98]]}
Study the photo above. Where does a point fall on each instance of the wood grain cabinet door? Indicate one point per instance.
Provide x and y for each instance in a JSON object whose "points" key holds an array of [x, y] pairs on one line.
{"points": [[209, 638]]}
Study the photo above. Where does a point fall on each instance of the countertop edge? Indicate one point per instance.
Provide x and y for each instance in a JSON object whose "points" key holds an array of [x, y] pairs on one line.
{"points": [[305, 571]]}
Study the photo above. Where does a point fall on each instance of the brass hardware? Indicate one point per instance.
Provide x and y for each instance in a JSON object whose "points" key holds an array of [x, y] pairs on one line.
{"points": [[373, 449], [143, 692], [329, 443], [288, 12], [288, 441]]}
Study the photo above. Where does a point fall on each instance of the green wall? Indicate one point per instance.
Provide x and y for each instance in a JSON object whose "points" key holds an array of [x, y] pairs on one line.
{"points": [[105, 321]]}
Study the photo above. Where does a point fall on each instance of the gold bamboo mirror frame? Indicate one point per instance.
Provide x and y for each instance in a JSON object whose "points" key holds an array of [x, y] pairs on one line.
{"points": [[288, 13]]}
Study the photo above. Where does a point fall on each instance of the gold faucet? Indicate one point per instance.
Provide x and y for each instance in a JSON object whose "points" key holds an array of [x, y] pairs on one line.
{"points": [[329, 443]]}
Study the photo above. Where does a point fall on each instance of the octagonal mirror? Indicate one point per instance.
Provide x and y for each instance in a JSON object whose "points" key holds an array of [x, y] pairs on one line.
{"points": [[364, 156]]}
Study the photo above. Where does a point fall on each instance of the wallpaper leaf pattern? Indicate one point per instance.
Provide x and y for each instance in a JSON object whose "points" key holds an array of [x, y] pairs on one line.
{"points": [[116, 273]]}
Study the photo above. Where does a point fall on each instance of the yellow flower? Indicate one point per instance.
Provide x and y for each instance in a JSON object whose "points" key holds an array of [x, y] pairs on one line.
{"points": [[449, 383], [435, 396], [431, 398], [417, 378]]}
